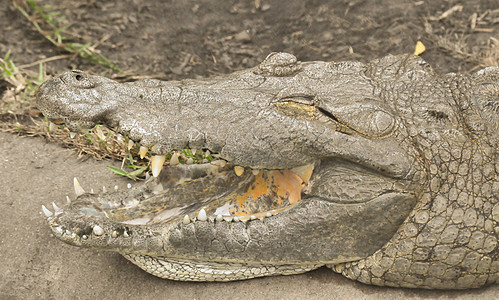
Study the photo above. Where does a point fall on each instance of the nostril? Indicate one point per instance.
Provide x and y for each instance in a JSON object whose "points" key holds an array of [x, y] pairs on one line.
{"points": [[78, 77]]}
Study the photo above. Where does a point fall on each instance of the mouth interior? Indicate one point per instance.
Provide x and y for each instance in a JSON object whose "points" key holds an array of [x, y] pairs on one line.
{"points": [[222, 191]]}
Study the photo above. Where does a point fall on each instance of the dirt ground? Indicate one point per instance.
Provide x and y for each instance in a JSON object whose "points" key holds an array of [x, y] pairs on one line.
{"points": [[181, 39]]}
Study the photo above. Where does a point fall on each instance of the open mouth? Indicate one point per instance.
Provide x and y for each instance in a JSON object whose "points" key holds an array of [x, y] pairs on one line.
{"points": [[215, 191]]}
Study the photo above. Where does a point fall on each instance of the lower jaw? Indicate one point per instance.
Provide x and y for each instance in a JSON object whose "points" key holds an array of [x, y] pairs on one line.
{"points": [[188, 193]]}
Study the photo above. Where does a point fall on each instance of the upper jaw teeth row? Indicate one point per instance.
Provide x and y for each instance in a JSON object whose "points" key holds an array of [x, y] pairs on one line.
{"points": [[157, 161]]}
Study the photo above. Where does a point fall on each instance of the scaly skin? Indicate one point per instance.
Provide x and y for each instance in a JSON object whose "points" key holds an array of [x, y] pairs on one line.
{"points": [[404, 189]]}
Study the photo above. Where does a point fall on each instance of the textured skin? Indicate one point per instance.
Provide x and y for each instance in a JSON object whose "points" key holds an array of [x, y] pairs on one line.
{"points": [[404, 191]]}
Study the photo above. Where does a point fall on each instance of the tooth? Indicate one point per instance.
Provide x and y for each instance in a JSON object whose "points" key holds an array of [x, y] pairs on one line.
{"points": [[186, 220], [142, 151], [202, 215], [84, 237], [104, 190], [129, 185], [193, 151], [56, 208], [207, 153], [99, 133], [304, 172], [239, 170], [97, 230], [114, 234], [125, 234], [91, 191], [236, 219], [78, 189], [68, 200], [115, 187], [119, 138], [268, 214], [255, 171], [174, 159], [219, 218], [46, 211], [58, 230], [148, 176], [72, 134], [228, 219], [253, 217], [189, 161], [52, 126], [130, 144], [157, 162]]}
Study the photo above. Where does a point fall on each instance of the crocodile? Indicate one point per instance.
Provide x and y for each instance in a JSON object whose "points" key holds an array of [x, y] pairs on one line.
{"points": [[385, 172]]}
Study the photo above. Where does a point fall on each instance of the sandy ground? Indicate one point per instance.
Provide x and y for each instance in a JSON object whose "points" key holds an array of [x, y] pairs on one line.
{"points": [[35, 265]]}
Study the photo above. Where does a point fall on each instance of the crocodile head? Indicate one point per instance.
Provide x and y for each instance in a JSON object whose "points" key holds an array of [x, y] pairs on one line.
{"points": [[338, 164]]}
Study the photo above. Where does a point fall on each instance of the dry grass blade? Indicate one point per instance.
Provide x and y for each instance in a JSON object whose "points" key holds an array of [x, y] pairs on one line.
{"points": [[49, 25]]}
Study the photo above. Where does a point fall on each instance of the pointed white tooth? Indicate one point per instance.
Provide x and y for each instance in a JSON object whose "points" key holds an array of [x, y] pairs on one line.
{"points": [[174, 159], [207, 153], [219, 218], [202, 215], [46, 211], [189, 161], [52, 127], [157, 162], [129, 185], [84, 237], [253, 217], [115, 187], [99, 133], [91, 191], [148, 175], [78, 189], [72, 134], [68, 200], [255, 171], [268, 214], [193, 151], [114, 234], [228, 219], [236, 219], [239, 170], [125, 234], [143, 151], [119, 138], [97, 230], [104, 190], [186, 220], [56, 208], [58, 230], [130, 144]]}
